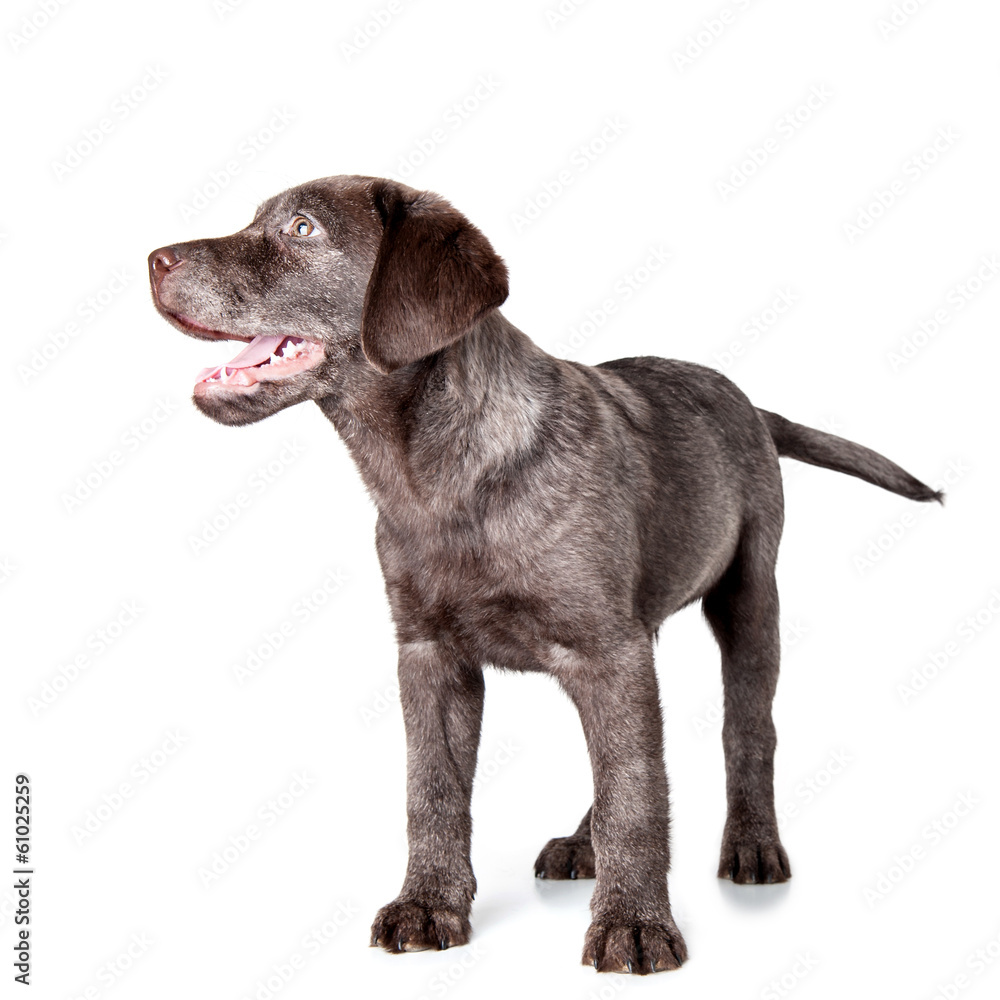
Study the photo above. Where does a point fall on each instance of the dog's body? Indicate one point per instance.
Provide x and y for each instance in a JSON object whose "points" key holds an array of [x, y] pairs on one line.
{"points": [[534, 514]]}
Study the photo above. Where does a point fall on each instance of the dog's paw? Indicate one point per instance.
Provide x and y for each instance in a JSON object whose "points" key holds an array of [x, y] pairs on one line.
{"points": [[566, 857], [754, 862], [639, 948], [409, 925]]}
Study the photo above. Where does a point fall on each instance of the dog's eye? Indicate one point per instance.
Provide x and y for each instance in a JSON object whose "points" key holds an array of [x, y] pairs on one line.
{"points": [[301, 226]]}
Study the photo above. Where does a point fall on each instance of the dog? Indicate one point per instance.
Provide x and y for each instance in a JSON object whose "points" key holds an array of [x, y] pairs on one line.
{"points": [[534, 514]]}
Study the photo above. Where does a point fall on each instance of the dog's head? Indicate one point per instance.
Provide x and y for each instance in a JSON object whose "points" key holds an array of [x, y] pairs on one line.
{"points": [[326, 271]]}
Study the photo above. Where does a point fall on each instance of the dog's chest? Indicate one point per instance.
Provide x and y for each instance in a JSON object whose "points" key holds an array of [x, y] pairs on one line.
{"points": [[504, 588], [461, 561]]}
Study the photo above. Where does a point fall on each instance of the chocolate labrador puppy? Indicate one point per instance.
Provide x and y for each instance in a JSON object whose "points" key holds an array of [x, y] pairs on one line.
{"points": [[534, 514]]}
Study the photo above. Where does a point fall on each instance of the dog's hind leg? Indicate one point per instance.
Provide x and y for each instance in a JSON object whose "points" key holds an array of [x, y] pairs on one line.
{"points": [[742, 609], [568, 857]]}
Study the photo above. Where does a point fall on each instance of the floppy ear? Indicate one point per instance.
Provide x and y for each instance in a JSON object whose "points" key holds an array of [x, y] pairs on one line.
{"points": [[435, 277]]}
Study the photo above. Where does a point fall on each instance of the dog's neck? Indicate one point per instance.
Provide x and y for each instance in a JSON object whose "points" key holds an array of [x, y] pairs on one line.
{"points": [[426, 434]]}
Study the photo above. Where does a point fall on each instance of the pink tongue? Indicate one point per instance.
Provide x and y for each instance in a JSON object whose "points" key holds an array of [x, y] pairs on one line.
{"points": [[258, 350]]}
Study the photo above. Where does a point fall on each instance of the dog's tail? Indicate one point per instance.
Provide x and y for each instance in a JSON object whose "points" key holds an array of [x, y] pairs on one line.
{"points": [[831, 452]]}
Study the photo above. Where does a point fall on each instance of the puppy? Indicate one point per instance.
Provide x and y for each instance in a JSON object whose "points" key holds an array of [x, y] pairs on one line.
{"points": [[534, 514]]}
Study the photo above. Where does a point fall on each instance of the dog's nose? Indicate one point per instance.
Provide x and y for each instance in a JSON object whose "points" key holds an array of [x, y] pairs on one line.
{"points": [[162, 262]]}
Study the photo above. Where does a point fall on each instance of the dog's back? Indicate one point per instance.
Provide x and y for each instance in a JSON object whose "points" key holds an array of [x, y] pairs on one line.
{"points": [[713, 470]]}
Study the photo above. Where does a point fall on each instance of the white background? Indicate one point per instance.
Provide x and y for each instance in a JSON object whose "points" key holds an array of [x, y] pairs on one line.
{"points": [[872, 585]]}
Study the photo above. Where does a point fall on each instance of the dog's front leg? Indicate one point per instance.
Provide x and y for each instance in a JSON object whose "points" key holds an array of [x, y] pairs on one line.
{"points": [[616, 693], [442, 701]]}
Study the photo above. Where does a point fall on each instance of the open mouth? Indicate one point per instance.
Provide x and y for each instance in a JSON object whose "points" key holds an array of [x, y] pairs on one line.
{"points": [[264, 359]]}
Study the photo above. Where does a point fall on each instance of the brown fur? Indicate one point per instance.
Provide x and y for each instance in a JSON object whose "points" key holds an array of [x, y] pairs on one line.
{"points": [[534, 514]]}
